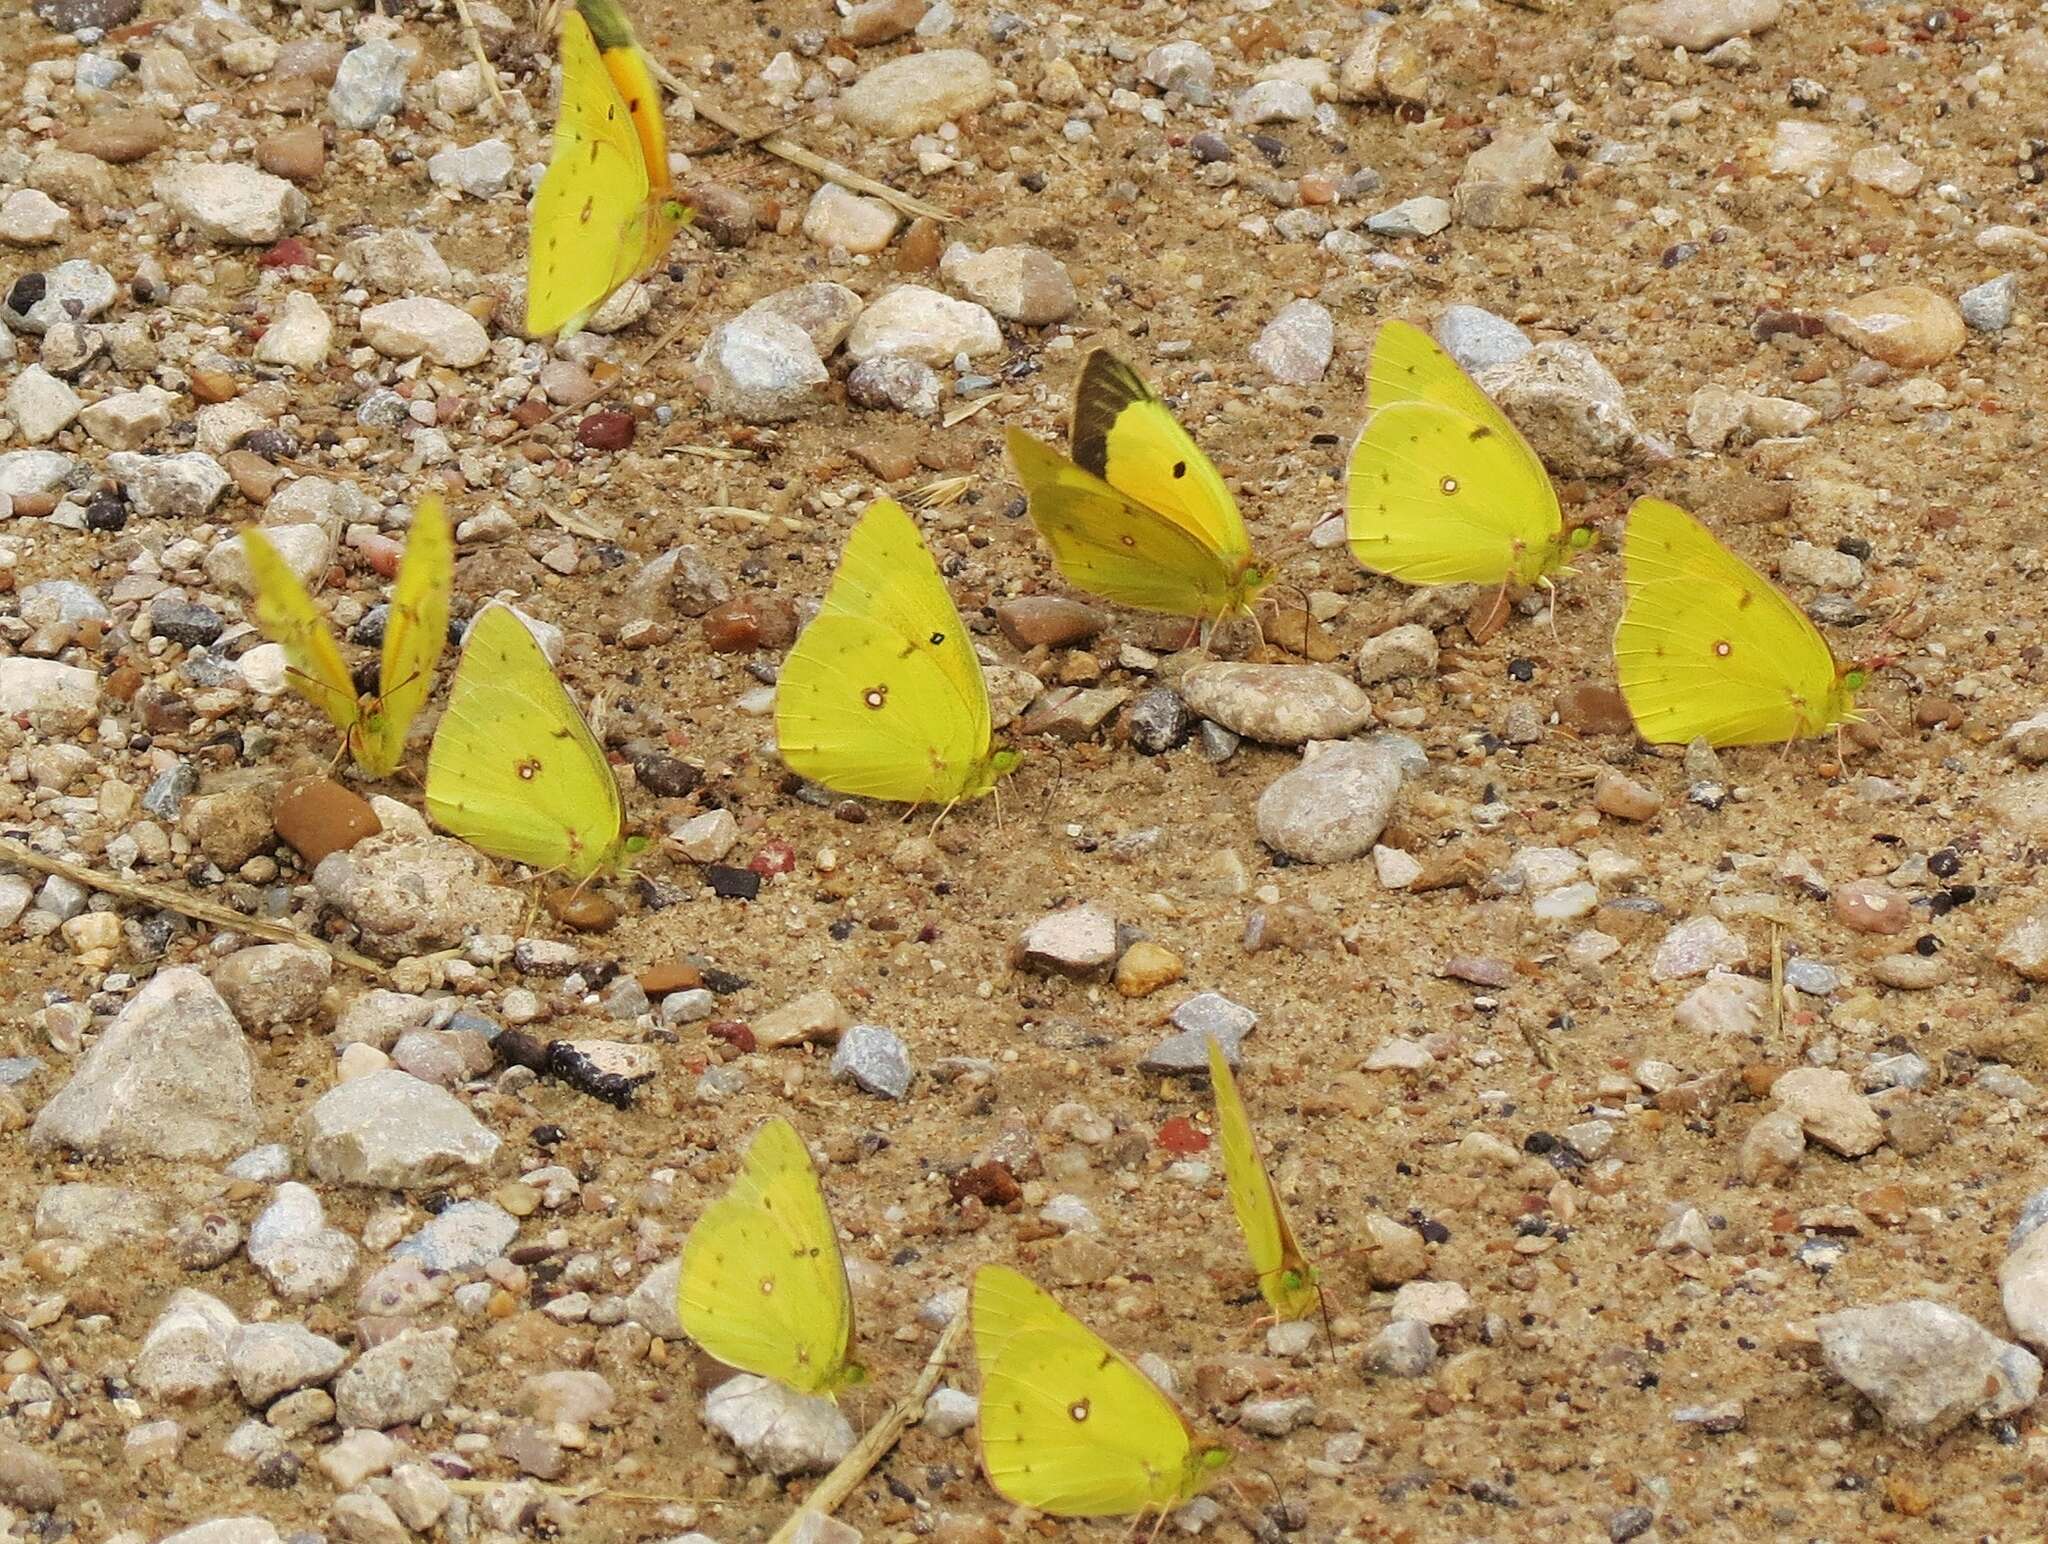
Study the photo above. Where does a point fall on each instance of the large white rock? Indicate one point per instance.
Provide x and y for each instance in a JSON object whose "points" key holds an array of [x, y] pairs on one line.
{"points": [[922, 324], [230, 202], [392, 1131]]}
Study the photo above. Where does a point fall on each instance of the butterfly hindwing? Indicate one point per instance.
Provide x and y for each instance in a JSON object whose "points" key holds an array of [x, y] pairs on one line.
{"points": [[1708, 648], [882, 695], [1138, 515], [1286, 1279], [513, 769], [600, 217], [1068, 1425], [287, 616], [1441, 487], [763, 1284], [415, 632]]}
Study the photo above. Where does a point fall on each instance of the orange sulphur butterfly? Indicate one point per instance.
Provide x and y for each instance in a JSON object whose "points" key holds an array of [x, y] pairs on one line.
{"points": [[1709, 649], [763, 1285], [606, 211], [1138, 515], [373, 725], [513, 769], [882, 695], [1286, 1279], [1068, 1425], [1441, 486]]}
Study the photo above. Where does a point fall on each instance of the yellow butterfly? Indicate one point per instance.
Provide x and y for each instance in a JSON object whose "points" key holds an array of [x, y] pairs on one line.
{"points": [[513, 769], [882, 695], [1138, 515], [1068, 1425], [1442, 488], [373, 725], [763, 1285], [1286, 1279], [606, 211], [1709, 649]]}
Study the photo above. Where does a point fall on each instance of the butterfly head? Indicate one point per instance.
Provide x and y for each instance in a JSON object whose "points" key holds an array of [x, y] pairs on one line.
{"points": [[1205, 1461]]}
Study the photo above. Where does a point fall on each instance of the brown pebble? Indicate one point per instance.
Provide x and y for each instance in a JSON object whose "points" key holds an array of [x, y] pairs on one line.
{"points": [[880, 21], [752, 621], [317, 816], [1145, 968], [119, 137], [1937, 713], [1478, 971], [33, 506], [723, 216], [991, 1183], [582, 910], [1910, 972], [530, 412], [297, 155], [313, 59], [1870, 906], [1907, 326], [1623, 797], [606, 429], [255, 478], [891, 463], [1285, 926], [1591, 709], [1048, 621], [212, 385], [657, 981], [919, 249]]}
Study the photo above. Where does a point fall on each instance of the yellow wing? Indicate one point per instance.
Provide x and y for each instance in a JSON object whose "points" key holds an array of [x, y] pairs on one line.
{"points": [[1708, 648], [603, 214], [882, 695], [513, 768], [414, 635], [287, 616], [1138, 515], [1441, 486], [763, 1285], [1068, 1426], [1286, 1279]]}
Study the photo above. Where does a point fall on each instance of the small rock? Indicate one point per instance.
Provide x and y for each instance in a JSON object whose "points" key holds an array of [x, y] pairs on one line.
{"points": [[826, 312], [404, 1379], [1870, 906], [815, 1016], [465, 1236], [778, 1430], [1570, 407], [185, 1352], [393, 1132], [1694, 947], [1623, 797], [1080, 942], [1772, 1149], [290, 1242], [1404, 1349], [1182, 66], [1988, 307], [1295, 346], [1401, 653], [1424, 216], [482, 170], [851, 222], [914, 322], [41, 405], [1696, 25], [1027, 285], [918, 92], [443, 333], [1273, 101], [370, 84], [1926, 1367], [1830, 1110], [763, 368], [267, 1360], [1908, 326], [1146, 967], [272, 985], [1334, 806], [874, 1060], [29, 217], [1724, 1005], [891, 381], [1278, 704], [228, 202]]}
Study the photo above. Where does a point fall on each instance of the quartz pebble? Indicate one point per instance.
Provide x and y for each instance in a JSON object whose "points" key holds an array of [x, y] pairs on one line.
{"points": [[1908, 326], [1830, 1110], [1926, 1367]]}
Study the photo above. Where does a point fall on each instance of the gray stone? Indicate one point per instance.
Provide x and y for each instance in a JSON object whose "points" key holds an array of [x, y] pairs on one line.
{"points": [[1571, 409], [370, 84], [1988, 307], [227, 1530], [271, 986], [298, 1253], [267, 1360], [825, 311], [391, 1131], [1407, 652], [413, 895], [299, 335], [181, 487], [778, 1430], [1295, 346], [73, 291], [891, 381], [1204, 1017], [1403, 1349], [1926, 1367], [481, 170], [424, 325], [170, 1078], [404, 1379], [231, 203], [1273, 101], [34, 471], [58, 700], [1478, 339], [1182, 66], [874, 1060], [185, 1353], [98, 1214], [1079, 941], [1279, 704], [1830, 1110], [41, 405], [1333, 806], [652, 1304], [1027, 285], [915, 322], [1423, 216], [763, 369], [918, 92], [850, 222], [465, 1236]]}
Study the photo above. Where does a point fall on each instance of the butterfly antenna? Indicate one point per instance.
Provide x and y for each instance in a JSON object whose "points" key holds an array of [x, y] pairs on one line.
{"points": [[1323, 1309]]}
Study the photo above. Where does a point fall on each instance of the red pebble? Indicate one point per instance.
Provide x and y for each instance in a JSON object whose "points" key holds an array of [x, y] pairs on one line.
{"points": [[288, 253], [606, 429], [1181, 1135], [774, 858], [733, 1032]]}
